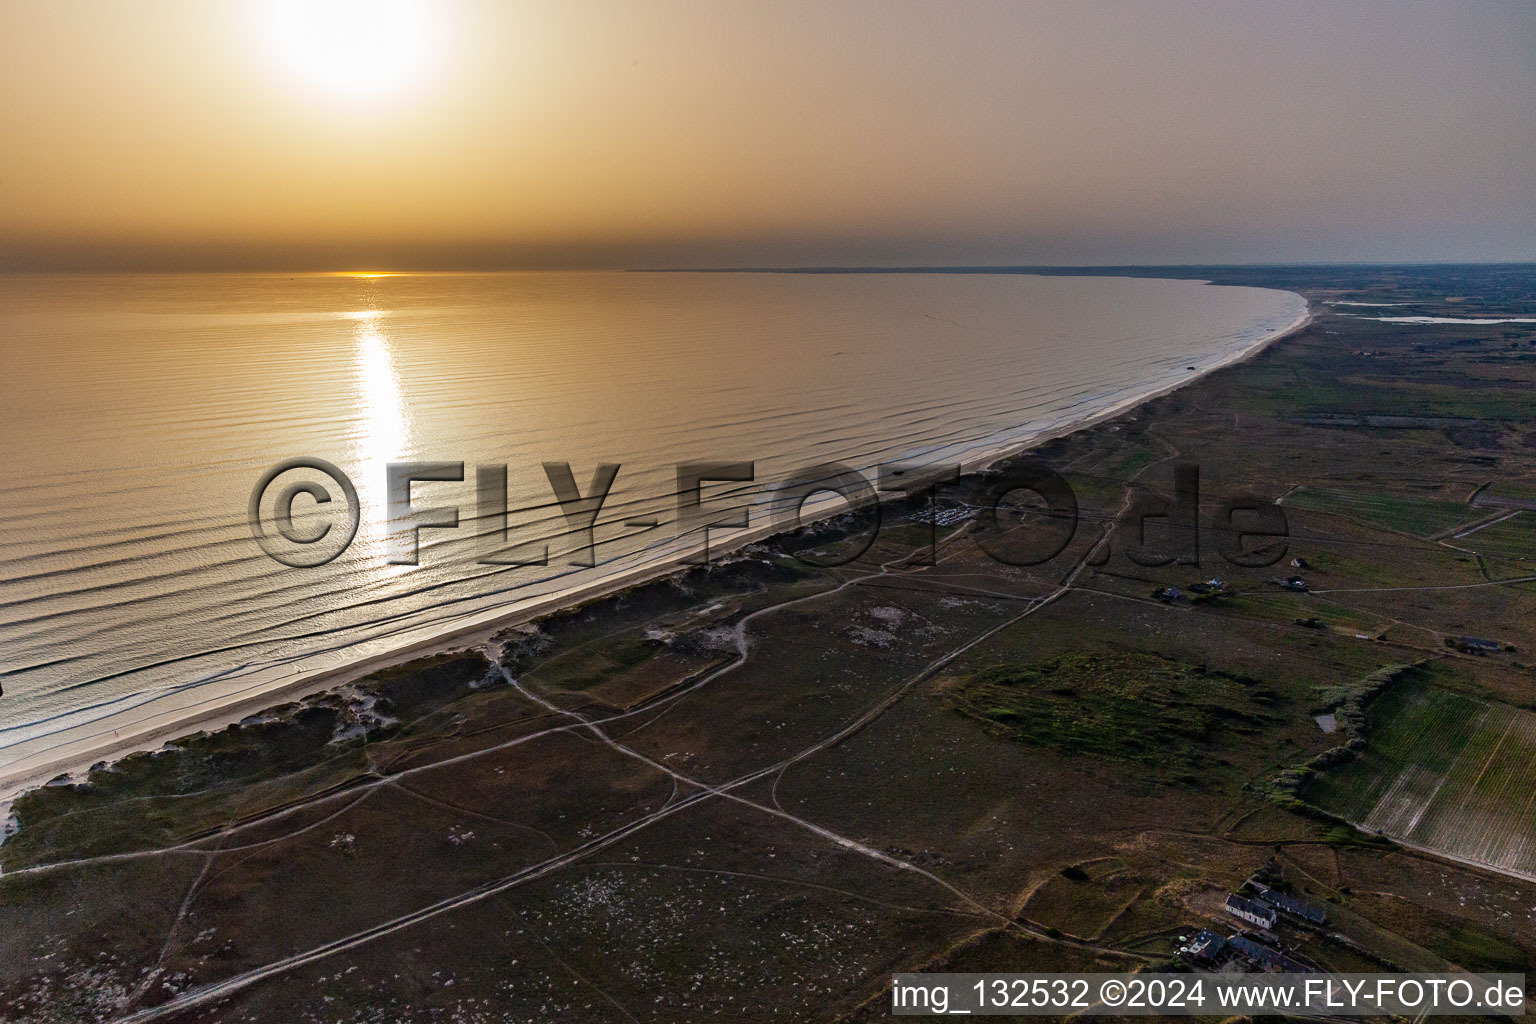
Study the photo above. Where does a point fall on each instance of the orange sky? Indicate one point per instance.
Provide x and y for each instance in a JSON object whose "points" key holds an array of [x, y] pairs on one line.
{"points": [[534, 133]]}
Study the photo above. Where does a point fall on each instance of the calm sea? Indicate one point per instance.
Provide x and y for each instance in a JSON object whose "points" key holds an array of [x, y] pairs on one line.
{"points": [[140, 411]]}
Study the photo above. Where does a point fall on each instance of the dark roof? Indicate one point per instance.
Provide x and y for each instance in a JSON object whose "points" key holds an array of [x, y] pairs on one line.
{"points": [[1479, 643], [1260, 953], [1292, 905], [1247, 906]]}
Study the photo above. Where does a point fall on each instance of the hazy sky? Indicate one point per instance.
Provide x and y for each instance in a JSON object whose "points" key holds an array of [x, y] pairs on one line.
{"points": [[561, 131]]}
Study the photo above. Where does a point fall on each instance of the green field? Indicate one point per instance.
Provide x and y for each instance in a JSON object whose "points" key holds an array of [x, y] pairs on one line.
{"points": [[1445, 772], [1513, 538], [1421, 517]]}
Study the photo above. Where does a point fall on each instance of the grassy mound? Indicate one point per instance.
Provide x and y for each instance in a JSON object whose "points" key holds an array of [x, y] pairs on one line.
{"points": [[1127, 707]]}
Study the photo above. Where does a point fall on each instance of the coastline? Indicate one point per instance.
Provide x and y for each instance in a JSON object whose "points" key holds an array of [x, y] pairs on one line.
{"points": [[75, 757]]}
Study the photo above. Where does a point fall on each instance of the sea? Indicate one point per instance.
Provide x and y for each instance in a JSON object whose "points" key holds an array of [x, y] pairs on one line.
{"points": [[141, 412]]}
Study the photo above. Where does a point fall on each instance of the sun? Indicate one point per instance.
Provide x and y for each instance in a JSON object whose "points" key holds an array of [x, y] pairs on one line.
{"points": [[353, 48]]}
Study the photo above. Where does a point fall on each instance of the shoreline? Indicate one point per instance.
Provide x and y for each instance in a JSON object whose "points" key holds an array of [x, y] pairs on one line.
{"points": [[72, 758]]}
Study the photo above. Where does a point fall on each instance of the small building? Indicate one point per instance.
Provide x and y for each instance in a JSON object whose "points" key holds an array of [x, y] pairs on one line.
{"points": [[1206, 945], [1251, 911], [1168, 595], [1215, 585], [1299, 563], [1291, 905], [1263, 956], [1293, 583], [1475, 645]]}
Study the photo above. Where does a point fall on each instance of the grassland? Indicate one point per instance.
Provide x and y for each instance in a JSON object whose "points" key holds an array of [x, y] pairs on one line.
{"points": [[1422, 517], [1137, 707], [1511, 536]]}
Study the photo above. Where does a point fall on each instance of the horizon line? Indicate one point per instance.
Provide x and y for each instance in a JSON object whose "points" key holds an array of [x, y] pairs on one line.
{"points": [[391, 270]]}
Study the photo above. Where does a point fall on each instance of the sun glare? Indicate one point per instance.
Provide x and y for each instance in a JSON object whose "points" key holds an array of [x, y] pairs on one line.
{"points": [[353, 48]]}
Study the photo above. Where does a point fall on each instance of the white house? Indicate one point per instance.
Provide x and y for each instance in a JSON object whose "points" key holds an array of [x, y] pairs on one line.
{"points": [[1251, 911]]}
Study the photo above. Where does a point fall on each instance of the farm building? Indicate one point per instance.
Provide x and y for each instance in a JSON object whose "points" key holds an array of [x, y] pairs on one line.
{"points": [[1476, 645], [1263, 956], [1291, 905], [1251, 911]]}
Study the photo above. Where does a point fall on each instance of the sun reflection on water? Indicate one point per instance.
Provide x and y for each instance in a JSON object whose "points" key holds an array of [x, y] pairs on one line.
{"points": [[384, 433]]}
